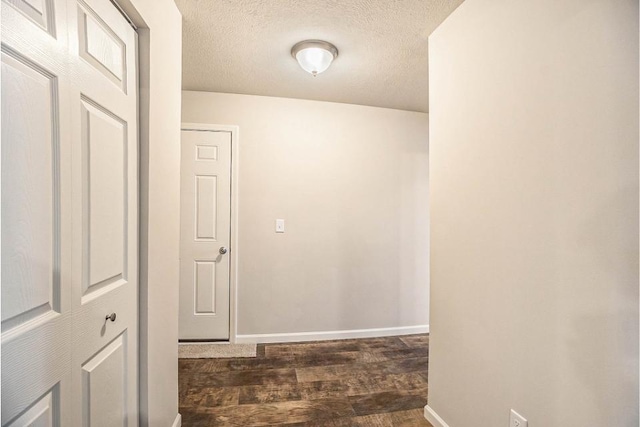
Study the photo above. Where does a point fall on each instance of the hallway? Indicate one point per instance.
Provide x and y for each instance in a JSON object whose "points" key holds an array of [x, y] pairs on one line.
{"points": [[359, 382]]}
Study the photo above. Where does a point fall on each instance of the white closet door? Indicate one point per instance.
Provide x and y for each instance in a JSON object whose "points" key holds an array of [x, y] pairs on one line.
{"points": [[69, 214]]}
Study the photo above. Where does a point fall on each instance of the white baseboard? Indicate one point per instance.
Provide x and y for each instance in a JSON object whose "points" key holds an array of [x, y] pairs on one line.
{"points": [[331, 335], [434, 418], [178, 421]]}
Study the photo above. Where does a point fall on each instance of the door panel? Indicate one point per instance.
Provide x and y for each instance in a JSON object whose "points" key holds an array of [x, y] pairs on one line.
{"points": [[206, 209], [30, 245], [205, 228], [100, 46], [104, 140], [205, 278], [43, 413], [105, 386], [38, 11]]}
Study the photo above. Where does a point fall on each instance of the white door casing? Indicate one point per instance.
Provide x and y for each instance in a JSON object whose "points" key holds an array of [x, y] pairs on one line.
{"points": [[205, 229], [69, 214]]}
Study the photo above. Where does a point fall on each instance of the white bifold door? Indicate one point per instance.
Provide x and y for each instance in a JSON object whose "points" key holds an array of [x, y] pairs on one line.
{"points": [[205, 235], [69, 215]]}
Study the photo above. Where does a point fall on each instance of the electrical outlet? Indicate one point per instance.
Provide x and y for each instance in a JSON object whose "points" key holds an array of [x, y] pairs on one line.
{"points": [[517, 420]]}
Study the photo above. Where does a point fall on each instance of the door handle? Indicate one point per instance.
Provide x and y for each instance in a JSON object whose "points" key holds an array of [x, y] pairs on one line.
{"points": [[111, 317], [223, 250]]}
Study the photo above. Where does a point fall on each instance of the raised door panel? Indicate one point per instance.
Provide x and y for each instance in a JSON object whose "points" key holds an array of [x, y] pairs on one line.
{"points": [[30, 203], [104, 386], [205, 287], [206, 201], [207, 152], [105, 173], [45, 412], [40, 12], [101, 47]]}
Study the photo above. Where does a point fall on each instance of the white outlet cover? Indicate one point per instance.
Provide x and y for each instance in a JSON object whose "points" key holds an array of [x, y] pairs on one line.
{"points": [[279, 225], [517, 420]]}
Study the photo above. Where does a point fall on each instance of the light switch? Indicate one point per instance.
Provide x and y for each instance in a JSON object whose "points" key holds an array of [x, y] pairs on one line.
{"points": [[279, 225]]}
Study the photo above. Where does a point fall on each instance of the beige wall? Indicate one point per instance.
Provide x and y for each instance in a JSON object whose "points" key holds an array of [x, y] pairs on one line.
{"points": [[534, 195], [160, 43], [351, 184]]}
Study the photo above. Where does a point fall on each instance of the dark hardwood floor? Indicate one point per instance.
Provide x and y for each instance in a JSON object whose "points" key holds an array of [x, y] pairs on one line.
{"points": [[376, 382]]}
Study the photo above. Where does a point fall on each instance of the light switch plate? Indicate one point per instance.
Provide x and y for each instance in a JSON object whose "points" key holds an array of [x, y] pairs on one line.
{"points": [[279, 225], [517, 420]]}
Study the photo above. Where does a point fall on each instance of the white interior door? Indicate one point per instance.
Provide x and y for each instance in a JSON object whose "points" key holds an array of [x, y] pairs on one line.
{"points": [[69, 214], [205, 235]]}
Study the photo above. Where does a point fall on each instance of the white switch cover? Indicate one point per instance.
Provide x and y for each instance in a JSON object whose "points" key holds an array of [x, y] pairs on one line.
{"points": [[517, 420], [279, 225]]}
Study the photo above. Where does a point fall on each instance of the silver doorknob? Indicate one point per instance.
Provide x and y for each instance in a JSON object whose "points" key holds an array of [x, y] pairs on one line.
{"points": [[223, 250], [111, 317]]}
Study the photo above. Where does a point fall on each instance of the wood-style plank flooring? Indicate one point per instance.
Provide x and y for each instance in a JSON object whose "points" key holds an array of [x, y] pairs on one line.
{"points": [[376, 382]]}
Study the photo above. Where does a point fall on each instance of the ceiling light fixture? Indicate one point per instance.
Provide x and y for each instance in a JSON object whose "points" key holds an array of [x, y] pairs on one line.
{"points": [[314, 56]]}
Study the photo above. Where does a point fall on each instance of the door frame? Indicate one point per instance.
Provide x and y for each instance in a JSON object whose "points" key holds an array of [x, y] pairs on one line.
{"points": [[233, 253], [158, 124]]}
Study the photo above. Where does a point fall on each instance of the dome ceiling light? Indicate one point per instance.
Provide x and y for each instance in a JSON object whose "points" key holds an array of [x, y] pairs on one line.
{"points": [[314, 56]]}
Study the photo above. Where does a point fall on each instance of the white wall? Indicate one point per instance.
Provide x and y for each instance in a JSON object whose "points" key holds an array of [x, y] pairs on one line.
{"points": [[534, 195], [160, 30], [351, 183]]}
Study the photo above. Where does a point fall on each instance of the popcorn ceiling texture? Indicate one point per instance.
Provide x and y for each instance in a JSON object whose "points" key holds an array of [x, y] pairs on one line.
{"points": [[243, 46]]}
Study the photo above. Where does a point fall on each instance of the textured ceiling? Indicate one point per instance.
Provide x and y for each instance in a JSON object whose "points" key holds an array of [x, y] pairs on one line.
{"points": [[243, 46]]}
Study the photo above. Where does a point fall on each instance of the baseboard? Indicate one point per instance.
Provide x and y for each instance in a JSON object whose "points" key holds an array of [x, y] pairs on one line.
{"points": [[434, 418], [331, 335], [178, 421]]}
